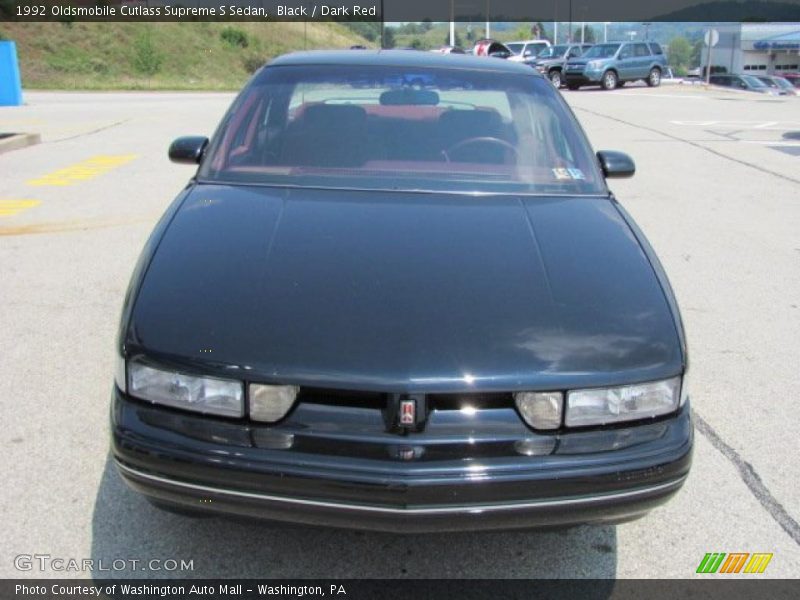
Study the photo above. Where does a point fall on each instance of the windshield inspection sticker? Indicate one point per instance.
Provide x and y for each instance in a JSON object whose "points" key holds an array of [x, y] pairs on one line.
{"points": [[568, 174]]}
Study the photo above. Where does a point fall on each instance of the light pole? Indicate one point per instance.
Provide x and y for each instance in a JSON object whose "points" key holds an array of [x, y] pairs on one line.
{"points": [[555, 22], [569, 37], [383, 28], [605, 30], [452, 23]]}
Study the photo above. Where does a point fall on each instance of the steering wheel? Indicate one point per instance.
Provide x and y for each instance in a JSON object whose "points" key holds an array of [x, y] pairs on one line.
{"points": [[455, 148]]}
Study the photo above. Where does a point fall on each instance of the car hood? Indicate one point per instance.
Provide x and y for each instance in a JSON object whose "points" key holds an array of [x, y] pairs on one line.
{"points": [[403, 291]]}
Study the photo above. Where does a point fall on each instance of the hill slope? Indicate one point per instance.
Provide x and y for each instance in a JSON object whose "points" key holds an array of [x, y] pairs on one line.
{"points": [[209, 56]]}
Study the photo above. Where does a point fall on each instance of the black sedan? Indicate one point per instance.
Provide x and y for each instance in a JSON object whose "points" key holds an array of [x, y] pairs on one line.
{"points": [[398, 294]]}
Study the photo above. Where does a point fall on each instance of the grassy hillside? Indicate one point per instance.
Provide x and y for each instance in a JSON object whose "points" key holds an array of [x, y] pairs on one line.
{"points": [[208, 56]]}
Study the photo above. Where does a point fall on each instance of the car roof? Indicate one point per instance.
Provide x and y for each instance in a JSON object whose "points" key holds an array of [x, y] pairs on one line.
{"points": [[401, 58]]}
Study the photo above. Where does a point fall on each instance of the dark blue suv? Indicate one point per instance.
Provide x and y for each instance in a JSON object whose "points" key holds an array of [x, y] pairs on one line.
{"points": [[613, 64]]}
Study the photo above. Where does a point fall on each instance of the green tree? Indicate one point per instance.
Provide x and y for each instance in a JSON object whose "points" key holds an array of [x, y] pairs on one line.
{"points": [[388, 38], [542, 30], [679, 52], [146, 58], [588, 35], [697, 52]]}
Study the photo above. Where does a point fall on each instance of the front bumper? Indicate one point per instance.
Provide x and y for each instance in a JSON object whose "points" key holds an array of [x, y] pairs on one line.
{"points": [[583, 77], [335, 466]]}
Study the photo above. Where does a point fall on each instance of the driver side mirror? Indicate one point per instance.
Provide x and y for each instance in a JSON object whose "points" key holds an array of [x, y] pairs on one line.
{"points": [[616, 165], [188, 150]]}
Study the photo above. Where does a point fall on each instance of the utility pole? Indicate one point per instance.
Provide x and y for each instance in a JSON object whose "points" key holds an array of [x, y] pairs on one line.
{"points": [[488, 31]]}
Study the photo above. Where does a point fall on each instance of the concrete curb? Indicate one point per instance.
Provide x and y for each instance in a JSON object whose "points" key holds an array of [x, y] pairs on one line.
{"points": [[18, 140]]}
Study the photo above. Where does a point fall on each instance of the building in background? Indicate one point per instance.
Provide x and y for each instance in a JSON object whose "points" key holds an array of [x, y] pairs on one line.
{"points": [[756, 48]]}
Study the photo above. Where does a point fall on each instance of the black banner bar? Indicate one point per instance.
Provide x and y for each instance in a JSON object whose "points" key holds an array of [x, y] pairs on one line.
{"points": [[390, 11], [711, 587]]}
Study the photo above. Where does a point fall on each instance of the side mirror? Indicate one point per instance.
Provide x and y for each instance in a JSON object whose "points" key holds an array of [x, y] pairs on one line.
{"points": [[188, 150], [616, 165]]}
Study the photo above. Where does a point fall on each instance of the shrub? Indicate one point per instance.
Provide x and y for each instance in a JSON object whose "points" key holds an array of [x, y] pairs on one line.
{"points": [[146, 58], [253, 62], [234, 37]]}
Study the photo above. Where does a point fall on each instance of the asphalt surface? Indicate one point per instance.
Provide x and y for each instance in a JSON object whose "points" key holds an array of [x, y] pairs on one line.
{"points": [[717, 192]]}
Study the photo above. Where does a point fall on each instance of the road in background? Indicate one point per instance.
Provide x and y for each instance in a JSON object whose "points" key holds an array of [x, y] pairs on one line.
{"points": [[717, 192]]}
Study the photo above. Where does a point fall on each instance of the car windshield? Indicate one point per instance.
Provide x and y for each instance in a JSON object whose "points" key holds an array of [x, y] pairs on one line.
{"points": [[553, 51], [601, 51], [515, 47], [398, 128], [753, 81]]}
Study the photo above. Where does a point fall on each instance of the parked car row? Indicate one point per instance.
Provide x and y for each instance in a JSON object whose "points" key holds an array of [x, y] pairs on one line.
{"points": [[611, 65], [763, 84]]}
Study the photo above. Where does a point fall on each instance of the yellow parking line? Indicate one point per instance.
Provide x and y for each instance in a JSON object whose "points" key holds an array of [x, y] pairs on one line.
{"points": [[82, 171], [9, 208]]}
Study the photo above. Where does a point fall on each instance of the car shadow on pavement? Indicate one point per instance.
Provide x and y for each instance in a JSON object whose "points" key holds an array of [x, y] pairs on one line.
{"points": [[125, 526]]}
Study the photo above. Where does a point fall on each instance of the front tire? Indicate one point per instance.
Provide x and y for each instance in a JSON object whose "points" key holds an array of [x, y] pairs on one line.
{"points": [[654, 78], [609, 81], [555, 78]]}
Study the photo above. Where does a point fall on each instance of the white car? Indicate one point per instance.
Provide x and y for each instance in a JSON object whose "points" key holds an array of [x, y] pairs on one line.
{"points": [[525, 51]]}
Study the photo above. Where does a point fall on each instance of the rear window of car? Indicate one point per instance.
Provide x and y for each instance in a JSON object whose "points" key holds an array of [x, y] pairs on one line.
{"points": [[641, 50], [656, 48], [394, 128]]}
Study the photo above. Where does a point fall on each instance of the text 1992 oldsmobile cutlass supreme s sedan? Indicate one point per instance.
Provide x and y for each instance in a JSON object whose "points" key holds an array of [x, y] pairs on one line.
{"points": [[398, 294]]}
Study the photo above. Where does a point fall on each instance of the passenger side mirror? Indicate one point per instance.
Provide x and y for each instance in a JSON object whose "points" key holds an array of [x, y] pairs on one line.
{"points": [[188, 150], [616, 165]]}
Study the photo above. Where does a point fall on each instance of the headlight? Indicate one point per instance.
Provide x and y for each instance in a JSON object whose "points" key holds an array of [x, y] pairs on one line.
{"points": [[593, 65], [270, 403], [199, 394], [626, 403], [541, 410]]}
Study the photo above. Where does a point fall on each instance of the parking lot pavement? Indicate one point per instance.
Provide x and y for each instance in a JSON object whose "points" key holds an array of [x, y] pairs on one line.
{"points": [[717, 195]]}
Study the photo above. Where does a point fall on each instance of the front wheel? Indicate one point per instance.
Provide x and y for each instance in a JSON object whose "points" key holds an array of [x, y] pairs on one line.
{"points": [[654, 78], [555, 78], [609, 81]]}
